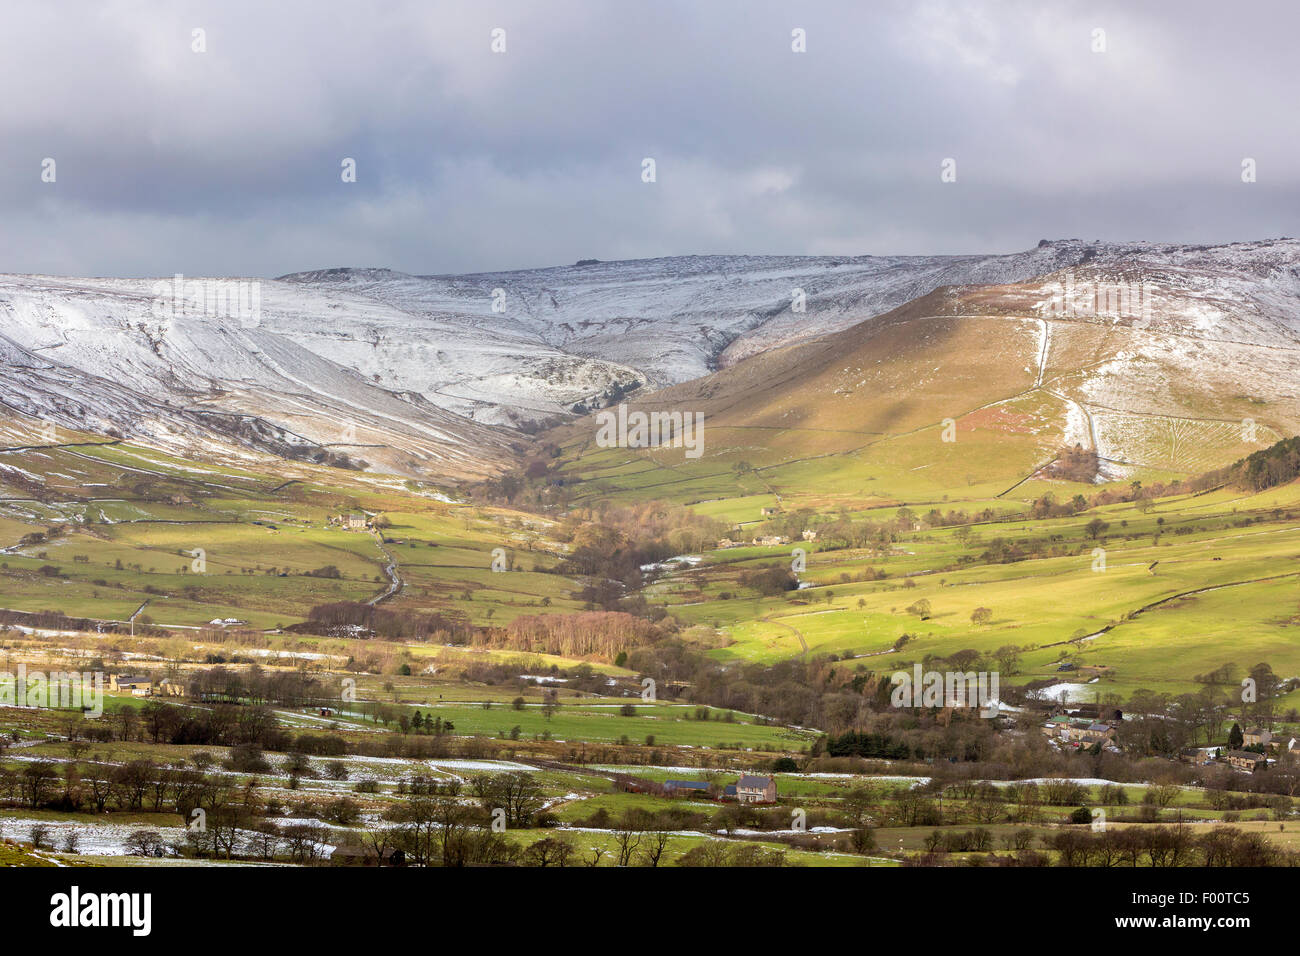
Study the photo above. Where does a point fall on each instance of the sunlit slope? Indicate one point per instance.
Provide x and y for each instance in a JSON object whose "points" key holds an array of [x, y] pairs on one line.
{"points": [[102, 529], [970, 391], [1157, 597], [958, 401], [865, 410]]}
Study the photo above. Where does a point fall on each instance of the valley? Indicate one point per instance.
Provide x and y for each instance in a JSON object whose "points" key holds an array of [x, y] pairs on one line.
{"points": [[414, 587]]}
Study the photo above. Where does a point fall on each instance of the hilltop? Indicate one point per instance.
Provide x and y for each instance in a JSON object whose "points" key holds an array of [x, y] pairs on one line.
{"points": [[442, 376]]}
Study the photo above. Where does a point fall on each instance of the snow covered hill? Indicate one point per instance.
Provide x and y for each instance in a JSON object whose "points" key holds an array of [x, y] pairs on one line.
{"points": [[675, 319], [417, 374], [670, 320], [1165, 361], [102, 355]]}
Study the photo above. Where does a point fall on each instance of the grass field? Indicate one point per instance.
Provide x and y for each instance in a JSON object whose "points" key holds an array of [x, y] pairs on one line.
{"points": [[1153, 598]]}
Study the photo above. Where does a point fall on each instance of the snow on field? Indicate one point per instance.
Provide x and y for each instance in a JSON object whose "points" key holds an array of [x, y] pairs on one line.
{"points": [[298, 718], [633, 770], [687, 772], [680, 833], [380, 761], [791, 832], [15, 470], [93, 839], [1078, 430], [1082, 781], [1064, 693], [294, 655], [491, 766]]}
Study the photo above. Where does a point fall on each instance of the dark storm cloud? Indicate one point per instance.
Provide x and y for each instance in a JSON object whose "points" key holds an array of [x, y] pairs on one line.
{"points": [[228, 161]]}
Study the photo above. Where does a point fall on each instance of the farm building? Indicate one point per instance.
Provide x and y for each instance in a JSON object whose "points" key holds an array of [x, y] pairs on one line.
{"points": [[137, 685], [673, 787], [1285, 743], [354, 854], [1108, 715], [350, 522], [626, 784]]}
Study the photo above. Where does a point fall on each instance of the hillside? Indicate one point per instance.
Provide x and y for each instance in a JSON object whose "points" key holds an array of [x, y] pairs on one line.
{"points": [[671, 319], [420, 376], [99, 355], [1194, 370]]}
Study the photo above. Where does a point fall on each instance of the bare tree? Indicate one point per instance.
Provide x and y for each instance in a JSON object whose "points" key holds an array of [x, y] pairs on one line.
{"points": [[656, 846], [627, 840]]}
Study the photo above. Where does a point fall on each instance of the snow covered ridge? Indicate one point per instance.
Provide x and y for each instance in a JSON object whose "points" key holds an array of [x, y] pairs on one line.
{"points": [[416, 375], [99, 355], [674, 319]]}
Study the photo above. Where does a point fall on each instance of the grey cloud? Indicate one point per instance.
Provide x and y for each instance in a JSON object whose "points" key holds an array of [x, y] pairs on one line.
{"points": [[228, 162]]}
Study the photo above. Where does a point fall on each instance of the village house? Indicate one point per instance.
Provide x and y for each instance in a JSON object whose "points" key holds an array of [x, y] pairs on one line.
{"points": [[771, 540], [1073, 731], [750, 789], [1082, 733], [808, 534], [1096, 734], [1246, 760], [727, 543], [770, 511], [1256, 737]]}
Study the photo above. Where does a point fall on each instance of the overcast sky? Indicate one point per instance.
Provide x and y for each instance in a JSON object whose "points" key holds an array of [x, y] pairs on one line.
{"points": [[228, 161]]}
